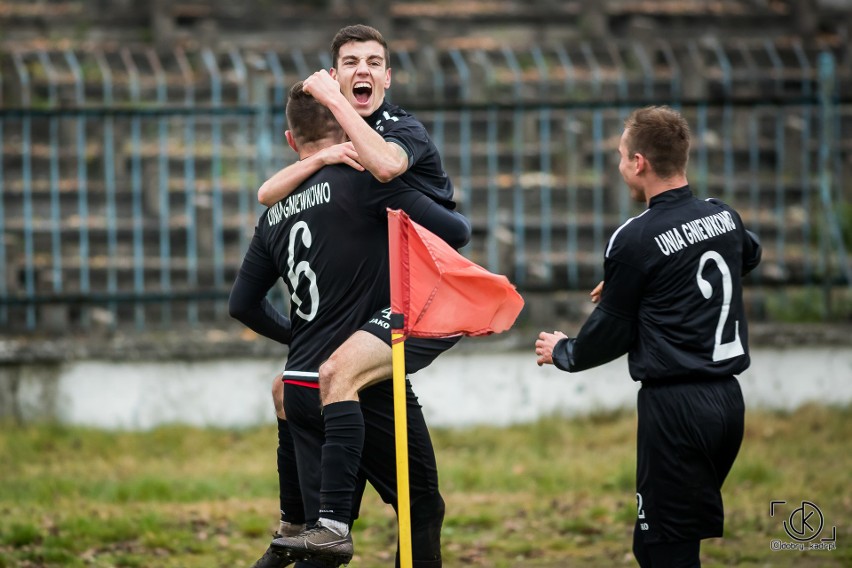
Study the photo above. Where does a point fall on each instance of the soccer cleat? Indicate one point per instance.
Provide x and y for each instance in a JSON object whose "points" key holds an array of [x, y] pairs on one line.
{"points": [[319, 544], [272, 558], [279, 559]]}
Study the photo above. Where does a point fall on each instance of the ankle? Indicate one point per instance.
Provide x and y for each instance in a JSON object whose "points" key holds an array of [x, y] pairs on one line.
{"points": [[289, 529], [338, 527]]}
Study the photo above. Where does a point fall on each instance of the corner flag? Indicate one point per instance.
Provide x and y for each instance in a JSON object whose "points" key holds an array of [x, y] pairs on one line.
{"points": [[435, 292], [440, 292]]}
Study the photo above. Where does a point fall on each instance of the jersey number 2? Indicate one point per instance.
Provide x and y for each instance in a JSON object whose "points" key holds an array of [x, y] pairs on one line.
{"points": [[721, 351], [295, 271]]}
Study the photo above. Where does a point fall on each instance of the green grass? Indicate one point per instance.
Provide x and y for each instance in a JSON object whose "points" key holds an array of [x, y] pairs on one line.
{"points": [[553, 493]]}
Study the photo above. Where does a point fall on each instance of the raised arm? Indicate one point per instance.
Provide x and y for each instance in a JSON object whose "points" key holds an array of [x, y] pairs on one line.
{"points": [[287, 180], [385, 160]]}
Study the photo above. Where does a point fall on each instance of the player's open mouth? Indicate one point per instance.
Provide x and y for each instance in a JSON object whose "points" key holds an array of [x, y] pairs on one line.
{"points": [[362, 92]]}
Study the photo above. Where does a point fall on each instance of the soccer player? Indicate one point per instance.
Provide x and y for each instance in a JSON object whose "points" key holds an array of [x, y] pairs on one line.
{"points": [[384, 138], [392, 145], [672, 300], [329, 242]]}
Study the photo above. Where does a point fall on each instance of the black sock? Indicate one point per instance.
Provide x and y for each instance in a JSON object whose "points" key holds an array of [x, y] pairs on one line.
{"points": [[289, 493], [341, 458]]}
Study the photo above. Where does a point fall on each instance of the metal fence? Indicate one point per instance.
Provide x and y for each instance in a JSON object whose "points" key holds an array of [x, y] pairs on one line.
{"points": [[128, 179]]}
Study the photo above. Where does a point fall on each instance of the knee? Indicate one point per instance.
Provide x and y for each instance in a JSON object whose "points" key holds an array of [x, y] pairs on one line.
{"points": [[330, 376]]}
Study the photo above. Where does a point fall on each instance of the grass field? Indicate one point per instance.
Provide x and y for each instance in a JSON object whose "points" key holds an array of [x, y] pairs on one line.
{"points": [[554, 493]]}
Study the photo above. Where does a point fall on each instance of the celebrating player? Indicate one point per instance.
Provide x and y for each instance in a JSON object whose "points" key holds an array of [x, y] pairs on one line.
{"points": [[392, 145], [329, 242], [672, 300]]}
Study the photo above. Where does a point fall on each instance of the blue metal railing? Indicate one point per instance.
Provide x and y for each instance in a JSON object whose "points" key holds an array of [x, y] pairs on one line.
{"points": [[141, 204]]}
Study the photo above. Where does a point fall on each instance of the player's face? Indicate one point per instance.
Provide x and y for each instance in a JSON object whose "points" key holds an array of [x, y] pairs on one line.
{"points": [[627, 169], [363, 75]]}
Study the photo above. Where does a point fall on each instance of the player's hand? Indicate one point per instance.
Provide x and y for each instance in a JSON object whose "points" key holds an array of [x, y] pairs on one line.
{"points": [[322, 86], [544, 346], [596, 292], [344, 153]]}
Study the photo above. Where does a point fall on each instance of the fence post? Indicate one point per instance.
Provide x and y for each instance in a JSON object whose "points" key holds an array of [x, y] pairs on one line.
{"points": [[546, 209], [54, 143], [4, 268], [160, 196], [109, 187], [805, 177], [82, 181], [572, 168], [464, 130], [189, 182], [136, 189], [827, 95], [597, 159], [27, 167], [210, 62], [246, 214]]}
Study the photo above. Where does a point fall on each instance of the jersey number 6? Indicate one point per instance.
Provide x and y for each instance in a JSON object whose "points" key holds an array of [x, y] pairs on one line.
{"points": [[294, 272]]}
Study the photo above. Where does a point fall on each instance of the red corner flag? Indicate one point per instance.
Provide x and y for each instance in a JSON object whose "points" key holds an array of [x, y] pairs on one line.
{"points": [[440, 292]]}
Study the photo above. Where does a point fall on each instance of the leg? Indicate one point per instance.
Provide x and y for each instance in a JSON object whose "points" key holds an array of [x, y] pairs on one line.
{"points": [[687, 438], [292, 520], [684, 554], [379, 464], [640, 551], [364, 359], [361, 360], [302, 405], [289, 494]]}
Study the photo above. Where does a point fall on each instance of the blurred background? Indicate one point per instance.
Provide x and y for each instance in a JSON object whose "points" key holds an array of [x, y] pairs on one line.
{"points": [[135, 136]]}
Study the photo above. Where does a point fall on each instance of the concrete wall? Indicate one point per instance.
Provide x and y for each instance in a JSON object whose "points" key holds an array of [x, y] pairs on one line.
{"points": [[471, 386]]}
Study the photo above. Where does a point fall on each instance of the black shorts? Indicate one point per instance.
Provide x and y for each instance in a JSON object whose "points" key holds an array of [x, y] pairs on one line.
{"points": [[688, 437], [378, 458], [419, 352]]}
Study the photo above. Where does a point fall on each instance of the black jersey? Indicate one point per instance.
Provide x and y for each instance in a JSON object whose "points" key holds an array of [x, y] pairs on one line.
{"points": [[672, 295], [425, 171], [328, 241]]}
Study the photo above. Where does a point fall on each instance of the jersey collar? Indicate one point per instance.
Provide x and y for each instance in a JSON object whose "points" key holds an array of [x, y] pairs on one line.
{"points": [[377, 115], [671, 196]]}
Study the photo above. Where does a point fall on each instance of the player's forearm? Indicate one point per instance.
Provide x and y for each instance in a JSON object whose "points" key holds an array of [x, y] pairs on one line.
{"points": [[383, 159], [286, 180], [602, 339], [453, 227], [248, 305]]}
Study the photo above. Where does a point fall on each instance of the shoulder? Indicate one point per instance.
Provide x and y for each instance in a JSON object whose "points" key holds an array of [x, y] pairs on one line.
{"points": [[715, 205], [396, 111], [392, 117], [626, 237]]}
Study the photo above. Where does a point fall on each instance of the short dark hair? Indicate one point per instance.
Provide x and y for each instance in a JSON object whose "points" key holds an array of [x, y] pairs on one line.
{"points": [[660, 134], [357, 32], [308, 120]]}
